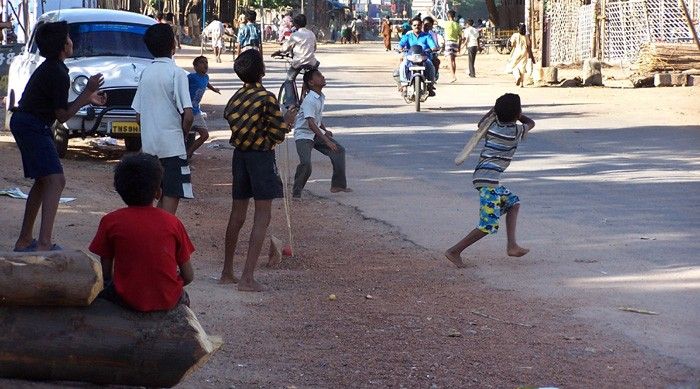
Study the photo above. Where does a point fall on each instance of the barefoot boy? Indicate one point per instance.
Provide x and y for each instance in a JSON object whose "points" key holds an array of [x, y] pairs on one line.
{"points": [[145, 251], [501, 142], [199, 83], [164, 111], [45, 100], [257, 126], [310, 133]]}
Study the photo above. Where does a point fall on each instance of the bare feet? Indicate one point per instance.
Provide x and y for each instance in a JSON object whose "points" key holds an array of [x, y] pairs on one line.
{"points": [[252, 286], [228, 279], [336, 190], [455, 258], [517, 251]]}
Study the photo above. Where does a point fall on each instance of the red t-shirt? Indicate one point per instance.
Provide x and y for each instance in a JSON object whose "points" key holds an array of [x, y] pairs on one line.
{"points": [[147, 245]]}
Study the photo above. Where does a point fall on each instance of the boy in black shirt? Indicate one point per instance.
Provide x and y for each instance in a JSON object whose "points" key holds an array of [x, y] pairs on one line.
{"points": [[45, 100]]}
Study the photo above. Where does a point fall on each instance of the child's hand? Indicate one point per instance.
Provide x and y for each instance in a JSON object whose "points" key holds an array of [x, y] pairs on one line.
{"points": [[99, 98], [291, 115], [216, 90], [94, 83]]}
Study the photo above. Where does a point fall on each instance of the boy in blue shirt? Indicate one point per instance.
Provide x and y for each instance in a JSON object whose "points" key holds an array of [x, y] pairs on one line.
{"points": [[199, 82]]}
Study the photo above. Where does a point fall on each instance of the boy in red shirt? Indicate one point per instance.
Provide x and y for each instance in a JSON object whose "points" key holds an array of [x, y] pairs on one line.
{"points": [[142, 247]]}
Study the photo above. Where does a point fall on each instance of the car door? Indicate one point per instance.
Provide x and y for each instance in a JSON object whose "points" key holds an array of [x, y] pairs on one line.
{"points": [[21, 68]]}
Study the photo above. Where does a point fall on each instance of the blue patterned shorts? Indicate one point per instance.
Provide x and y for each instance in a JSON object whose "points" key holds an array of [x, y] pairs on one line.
{"points": [[494, 202]]}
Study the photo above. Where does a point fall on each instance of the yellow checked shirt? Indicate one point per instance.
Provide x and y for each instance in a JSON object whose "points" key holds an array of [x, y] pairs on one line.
{"points": [[255, 119]]}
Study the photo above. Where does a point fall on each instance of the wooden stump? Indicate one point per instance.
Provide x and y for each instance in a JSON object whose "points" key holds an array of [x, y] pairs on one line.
{"points": [[592, 74], [550, 75], [51, 278], [102, 344]]}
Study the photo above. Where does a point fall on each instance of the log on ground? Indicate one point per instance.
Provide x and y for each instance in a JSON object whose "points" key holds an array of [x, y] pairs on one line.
{"points": [[102, 343], [50, 278]]}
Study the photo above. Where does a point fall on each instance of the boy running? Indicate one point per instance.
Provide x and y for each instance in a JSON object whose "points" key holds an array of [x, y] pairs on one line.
{"points": [[164, 112], [502, 140], [310, 133], [257, 126], [45, 100], [144, 251], [198, 83]]}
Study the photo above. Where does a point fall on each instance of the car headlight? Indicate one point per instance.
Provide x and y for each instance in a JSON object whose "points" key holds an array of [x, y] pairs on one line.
{"points": [[79, 84]]}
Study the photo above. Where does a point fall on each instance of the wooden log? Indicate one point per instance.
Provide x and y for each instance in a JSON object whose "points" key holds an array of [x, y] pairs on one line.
{"points": [[52, 278], [102, 344]]}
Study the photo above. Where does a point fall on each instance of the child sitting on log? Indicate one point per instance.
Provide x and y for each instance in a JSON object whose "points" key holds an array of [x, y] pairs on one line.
{"points": [[142, 247]]}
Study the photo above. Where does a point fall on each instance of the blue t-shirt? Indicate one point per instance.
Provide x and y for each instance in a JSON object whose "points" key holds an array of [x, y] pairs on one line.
{"points": [[198, 85], [423, 39], [249, 35]]}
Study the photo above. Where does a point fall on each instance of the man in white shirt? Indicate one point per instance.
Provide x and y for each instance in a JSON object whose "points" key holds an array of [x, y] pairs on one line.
{"points": [[471, 35], [302, 44], [164, 112], [215, 31], [310, 133]]}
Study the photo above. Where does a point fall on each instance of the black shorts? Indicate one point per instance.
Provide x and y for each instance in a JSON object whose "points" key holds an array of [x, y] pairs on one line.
{"points": [[35, 142], [177, 181], [255, 175]]}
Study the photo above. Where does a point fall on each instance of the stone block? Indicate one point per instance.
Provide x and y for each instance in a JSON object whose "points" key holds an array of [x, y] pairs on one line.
{"points": [[591, 73], [678, 79], [693, 80], [662, 79]]}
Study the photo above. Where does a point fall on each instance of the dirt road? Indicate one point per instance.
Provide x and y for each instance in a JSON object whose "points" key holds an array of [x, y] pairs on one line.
{"points": [[403, 316]]}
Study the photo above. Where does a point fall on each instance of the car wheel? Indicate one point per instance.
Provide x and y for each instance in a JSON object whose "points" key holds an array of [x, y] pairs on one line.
{"points": [[133, 144], [60, 139]]}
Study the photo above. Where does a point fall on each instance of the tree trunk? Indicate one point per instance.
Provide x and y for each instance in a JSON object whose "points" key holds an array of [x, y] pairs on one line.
{"points": [[50, 278], [493, 12], [102, 344]]}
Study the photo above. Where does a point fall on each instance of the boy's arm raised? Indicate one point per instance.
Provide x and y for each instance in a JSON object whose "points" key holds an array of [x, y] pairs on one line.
{"points": [[88, 95], [526, 121]]}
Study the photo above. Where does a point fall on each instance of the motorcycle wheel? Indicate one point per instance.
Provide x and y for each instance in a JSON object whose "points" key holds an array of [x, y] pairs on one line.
{"points": [[417, 93]]}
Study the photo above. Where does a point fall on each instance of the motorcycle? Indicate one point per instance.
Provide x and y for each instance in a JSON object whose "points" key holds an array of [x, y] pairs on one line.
{"points": [[417, 89]]}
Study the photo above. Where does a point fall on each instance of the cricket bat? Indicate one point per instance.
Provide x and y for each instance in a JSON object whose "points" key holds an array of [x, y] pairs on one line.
{"points": [[483, 127]]}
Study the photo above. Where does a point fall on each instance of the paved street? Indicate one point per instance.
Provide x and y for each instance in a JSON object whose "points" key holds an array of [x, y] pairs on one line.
{"points": [[609, 181]]}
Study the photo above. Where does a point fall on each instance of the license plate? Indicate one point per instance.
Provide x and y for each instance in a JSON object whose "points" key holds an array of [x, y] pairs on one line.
{"points": [[416, 68], [125, 128]]}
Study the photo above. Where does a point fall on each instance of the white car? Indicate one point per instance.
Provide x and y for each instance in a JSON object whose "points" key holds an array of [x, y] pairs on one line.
{"points": [[104, 41]]}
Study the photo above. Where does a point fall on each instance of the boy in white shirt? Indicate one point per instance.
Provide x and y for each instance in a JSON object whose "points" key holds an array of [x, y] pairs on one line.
{"points": [[164, 112], [310, 133]]}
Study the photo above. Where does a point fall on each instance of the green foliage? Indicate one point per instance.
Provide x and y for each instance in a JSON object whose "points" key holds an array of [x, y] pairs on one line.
{"points": [[275, 4], [474, 9]]}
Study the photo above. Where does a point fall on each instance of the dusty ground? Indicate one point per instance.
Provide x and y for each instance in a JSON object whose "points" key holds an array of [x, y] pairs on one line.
{"points": [[424, 325], [294, 336]]}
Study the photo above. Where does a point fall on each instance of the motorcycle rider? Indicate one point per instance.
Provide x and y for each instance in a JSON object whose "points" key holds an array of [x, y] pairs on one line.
{"points": [[418, 37], [302, 44]]}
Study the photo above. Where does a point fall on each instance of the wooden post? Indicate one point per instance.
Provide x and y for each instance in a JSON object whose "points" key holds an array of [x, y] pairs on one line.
{"points": [[65, 278], [102, 344], [690, 22]]}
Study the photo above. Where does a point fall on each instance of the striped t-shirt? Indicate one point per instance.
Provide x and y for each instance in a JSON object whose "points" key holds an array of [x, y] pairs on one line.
{"points": [[501, 142]]}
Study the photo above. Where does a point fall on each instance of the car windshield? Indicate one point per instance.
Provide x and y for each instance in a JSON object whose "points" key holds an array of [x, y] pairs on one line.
{"points": [[113, 39]]}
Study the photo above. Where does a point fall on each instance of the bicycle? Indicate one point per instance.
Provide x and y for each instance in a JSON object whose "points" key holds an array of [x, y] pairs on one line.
{"points": [[288, 94]]}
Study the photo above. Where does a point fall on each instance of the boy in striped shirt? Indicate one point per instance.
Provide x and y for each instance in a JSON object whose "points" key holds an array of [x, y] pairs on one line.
{"points": [[502, 140]]}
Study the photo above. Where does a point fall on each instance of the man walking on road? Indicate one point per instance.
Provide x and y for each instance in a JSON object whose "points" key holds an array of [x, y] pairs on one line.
{"points": [[386, 33], [471, 35], [453, 40]]}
